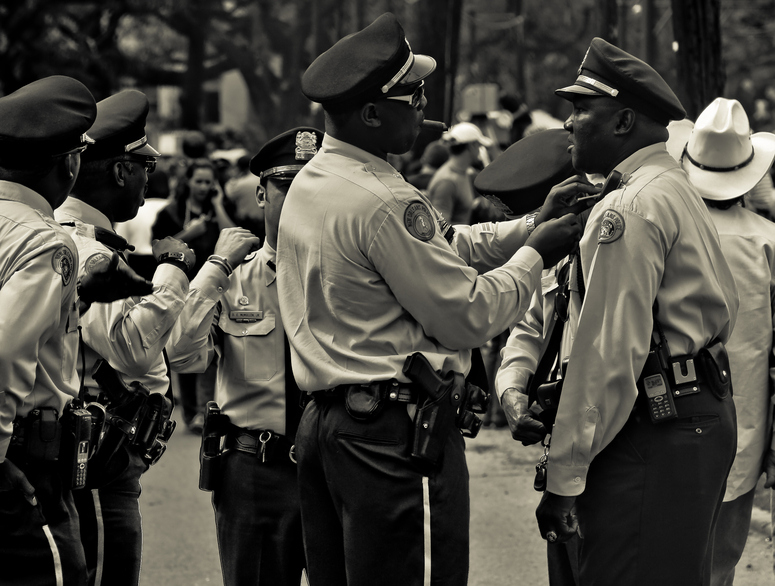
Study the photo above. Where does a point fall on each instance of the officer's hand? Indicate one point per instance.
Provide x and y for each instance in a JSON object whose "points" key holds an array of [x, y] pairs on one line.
{"points": [[11, 478], [556, 516], [107, 280], [769, 469], [524, 425], [234, 244], [556, 239], [563, 198], [170, 244]]}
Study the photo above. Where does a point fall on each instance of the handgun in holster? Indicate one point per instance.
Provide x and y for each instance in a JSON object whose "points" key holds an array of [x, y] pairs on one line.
{"points": [[214, 431], [449, 403], [136, 419]]}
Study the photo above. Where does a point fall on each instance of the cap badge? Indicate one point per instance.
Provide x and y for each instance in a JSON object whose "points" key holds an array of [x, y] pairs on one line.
{"points": [[418, 221], [611, 228], [306, 145], [63, 263]]}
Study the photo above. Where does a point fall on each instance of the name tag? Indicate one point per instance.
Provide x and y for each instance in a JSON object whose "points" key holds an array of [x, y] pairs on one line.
{"points": [[246, 316]]}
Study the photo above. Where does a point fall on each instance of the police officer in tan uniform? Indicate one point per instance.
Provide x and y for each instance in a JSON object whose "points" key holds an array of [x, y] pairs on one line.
{"points": [[42, 133], [645, 432], [235, 319], [368, 275]]}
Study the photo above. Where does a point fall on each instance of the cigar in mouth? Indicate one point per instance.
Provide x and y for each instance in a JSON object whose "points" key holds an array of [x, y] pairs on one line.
{"points": [[434, 126]]}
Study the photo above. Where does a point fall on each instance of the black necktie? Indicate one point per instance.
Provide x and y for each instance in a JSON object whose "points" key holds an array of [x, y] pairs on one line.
{"points": [[292, 396]]}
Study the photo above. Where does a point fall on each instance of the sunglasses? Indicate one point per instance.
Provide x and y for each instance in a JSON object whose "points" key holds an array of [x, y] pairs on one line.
{"points": [[414, 99], [148, 164]]}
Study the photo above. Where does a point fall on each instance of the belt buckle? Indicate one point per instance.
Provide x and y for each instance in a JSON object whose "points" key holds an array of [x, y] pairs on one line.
{"points": [[678, 372]]}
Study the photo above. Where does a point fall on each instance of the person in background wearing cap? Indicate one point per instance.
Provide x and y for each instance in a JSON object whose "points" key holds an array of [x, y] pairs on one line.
{"points": [[638, 477], [724, 162], [255, 498], [451, 190], [368, 274], [129, 334], [43, 129]]}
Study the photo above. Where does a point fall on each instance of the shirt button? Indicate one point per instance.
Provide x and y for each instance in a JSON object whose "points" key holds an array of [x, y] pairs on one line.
{"points": [[698, 430], [577, 480], [245, 332], [220, 289]]}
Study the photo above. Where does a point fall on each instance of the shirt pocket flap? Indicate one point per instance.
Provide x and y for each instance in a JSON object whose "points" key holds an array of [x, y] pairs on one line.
{"points": [[261, 327]]}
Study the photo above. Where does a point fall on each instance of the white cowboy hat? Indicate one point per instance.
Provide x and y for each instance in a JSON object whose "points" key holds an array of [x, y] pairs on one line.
{"points": [[723, 159], [679, 132]]}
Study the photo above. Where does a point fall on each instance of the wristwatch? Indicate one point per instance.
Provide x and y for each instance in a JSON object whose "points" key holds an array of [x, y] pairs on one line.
{"points": [[175, 258], [530, 222]]}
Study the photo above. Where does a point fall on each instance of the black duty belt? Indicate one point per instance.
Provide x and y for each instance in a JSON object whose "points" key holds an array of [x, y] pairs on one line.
{"points": [[265, 444], [390, 391]]}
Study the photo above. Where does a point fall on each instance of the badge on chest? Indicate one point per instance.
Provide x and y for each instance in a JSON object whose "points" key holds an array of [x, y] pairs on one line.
{"points": [[245, 317]]}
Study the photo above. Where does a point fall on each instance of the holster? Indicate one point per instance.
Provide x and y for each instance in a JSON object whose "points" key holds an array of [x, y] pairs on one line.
{"points": [[548, 399], [136, 420], [215, 428], [714, 362], [437, 411]]}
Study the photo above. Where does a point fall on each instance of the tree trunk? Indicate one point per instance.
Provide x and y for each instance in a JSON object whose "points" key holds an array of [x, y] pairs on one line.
{"points": [[697, 30]]}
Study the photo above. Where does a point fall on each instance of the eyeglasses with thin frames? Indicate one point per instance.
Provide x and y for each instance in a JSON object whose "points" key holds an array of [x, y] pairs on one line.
{"points": [[414, 99]]}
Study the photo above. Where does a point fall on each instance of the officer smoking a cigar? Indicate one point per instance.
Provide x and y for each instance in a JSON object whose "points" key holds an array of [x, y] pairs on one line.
{"points": [[371, 279]]}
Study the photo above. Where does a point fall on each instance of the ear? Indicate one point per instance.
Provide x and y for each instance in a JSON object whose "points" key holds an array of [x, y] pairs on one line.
{"points": [[261, 196], [370, 115], [69, 166], [625, 121], [119, 174]]}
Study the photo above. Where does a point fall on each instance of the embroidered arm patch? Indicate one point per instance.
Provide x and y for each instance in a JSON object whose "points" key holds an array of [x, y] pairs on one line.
{"points": [[63, 263], [611, 228], [419, 222]]}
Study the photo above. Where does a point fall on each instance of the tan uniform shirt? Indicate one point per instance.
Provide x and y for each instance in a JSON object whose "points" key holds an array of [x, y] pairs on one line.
{"points": [[38, 309], [366, 277]]}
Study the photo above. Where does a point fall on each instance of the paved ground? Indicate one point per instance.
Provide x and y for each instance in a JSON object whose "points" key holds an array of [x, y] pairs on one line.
{"points": [[180, 547]]}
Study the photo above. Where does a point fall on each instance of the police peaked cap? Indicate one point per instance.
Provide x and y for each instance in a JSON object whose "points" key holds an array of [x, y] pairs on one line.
{"points": [[521, 177], [45, 118], [120, 127], [284, 155], [608, 71], [365, 65]]}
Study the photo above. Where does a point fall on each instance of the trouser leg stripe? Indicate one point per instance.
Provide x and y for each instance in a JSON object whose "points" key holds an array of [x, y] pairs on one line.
{"points": [[100, 537], [426, 505], [55, 553]]}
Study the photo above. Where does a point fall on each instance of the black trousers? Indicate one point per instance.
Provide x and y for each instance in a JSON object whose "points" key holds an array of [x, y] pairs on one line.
{"points": [[258, 521], [653, 495], [111, 527], [40, 545], [370, 516]]}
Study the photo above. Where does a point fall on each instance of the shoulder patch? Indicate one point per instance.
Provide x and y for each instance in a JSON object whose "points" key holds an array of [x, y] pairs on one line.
{"points": [[64, 264], [611, 228], [419, 222], [95, 261]]}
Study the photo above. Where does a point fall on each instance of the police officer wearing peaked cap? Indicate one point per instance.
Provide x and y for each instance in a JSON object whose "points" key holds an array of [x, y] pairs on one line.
{"points": [[238, 318], [128, 334], [368, 274], [43, 128], [640, 452]]}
